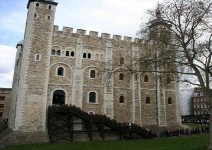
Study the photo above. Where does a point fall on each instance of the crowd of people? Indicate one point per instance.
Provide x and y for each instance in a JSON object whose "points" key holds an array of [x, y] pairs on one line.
{"points": [[183, 132]]}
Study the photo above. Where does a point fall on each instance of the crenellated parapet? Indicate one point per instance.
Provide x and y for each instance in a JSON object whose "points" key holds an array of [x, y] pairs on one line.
{"points": [[68, 31]]}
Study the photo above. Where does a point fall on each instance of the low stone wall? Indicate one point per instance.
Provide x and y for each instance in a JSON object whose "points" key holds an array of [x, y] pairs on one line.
{"points": [[9, 137]]}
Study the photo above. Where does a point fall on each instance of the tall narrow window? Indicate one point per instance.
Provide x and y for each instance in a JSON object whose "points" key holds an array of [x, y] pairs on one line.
{"points": [[136, 77], [84, 55], [35, 15], [93, 74], [48, 17], [146, 78], [92, 97], [121, 76], [168, 80], [50, 7], [72, 54], [37, 57], [67, 53], [1, 114], [121, 99], [169, 100], [60, 71], [147, 100], [58, 52], [121, 61], [89, 55], [53, 52]]}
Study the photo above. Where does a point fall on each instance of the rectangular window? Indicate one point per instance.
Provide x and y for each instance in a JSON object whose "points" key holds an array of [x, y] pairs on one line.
{"points": [[2, 98], [84, 55], [1, 114], [93, 74], [1, 106]]}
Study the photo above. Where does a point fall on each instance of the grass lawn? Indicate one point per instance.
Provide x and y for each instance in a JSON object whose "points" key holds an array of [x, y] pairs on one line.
{"points": [[196, 125], [180, 143]]}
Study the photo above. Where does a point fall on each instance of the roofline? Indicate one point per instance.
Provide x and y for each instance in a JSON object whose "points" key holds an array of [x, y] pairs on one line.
{"points": [[43, 1]]}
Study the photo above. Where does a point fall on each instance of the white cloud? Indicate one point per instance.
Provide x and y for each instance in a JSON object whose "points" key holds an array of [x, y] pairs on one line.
{"points": [[7, 60], [112, 16]]}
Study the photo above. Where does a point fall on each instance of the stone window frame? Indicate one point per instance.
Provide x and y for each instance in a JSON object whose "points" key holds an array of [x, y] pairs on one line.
{"points": [[37, 57], [63, 71], [97, 98], [136, 77], [121, 60], [89, 75]]}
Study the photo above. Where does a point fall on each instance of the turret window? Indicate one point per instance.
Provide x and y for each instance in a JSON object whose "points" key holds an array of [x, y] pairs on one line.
{"points": [[48, 17], [50, 7], [37, 57], [37, 5]]}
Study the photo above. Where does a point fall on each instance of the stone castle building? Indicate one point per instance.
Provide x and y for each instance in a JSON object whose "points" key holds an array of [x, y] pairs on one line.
{"points": [[89, 71]]}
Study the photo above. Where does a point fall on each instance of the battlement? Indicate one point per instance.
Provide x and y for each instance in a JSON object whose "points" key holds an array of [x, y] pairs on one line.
{"points": [[106, 36]]}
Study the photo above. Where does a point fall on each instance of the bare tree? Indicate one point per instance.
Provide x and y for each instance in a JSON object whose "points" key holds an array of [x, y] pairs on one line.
{"points": [[184, 36]]}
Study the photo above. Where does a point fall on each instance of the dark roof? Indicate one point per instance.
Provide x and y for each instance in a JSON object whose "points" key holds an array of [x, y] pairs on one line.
{"points": [[43, 1]]}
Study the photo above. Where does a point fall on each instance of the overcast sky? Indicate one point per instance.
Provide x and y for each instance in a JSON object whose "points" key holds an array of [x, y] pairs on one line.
{"points": [[121, 17]]}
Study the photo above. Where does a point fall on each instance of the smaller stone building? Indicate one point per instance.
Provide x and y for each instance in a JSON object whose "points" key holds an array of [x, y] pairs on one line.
{"points": [[199, 104], [5, 98]]}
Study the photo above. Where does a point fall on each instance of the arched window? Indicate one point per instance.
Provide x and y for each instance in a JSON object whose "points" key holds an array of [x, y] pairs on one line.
{"points": [[84, 55], [121, 99], [147, 100], [53, 52], [37, 5], [58, 97], [169, 100], [58, 52], [136, 77], [146, 78], [89, 55], [50, 7], [92, 97], [72, 54], [121, 61], [93, 74], [121, 76], [168, 80], [60, 71], [67, 53]]}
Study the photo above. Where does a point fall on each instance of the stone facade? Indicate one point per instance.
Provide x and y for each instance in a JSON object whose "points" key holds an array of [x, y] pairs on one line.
{"points": [[91, 72], [5, 99]]}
